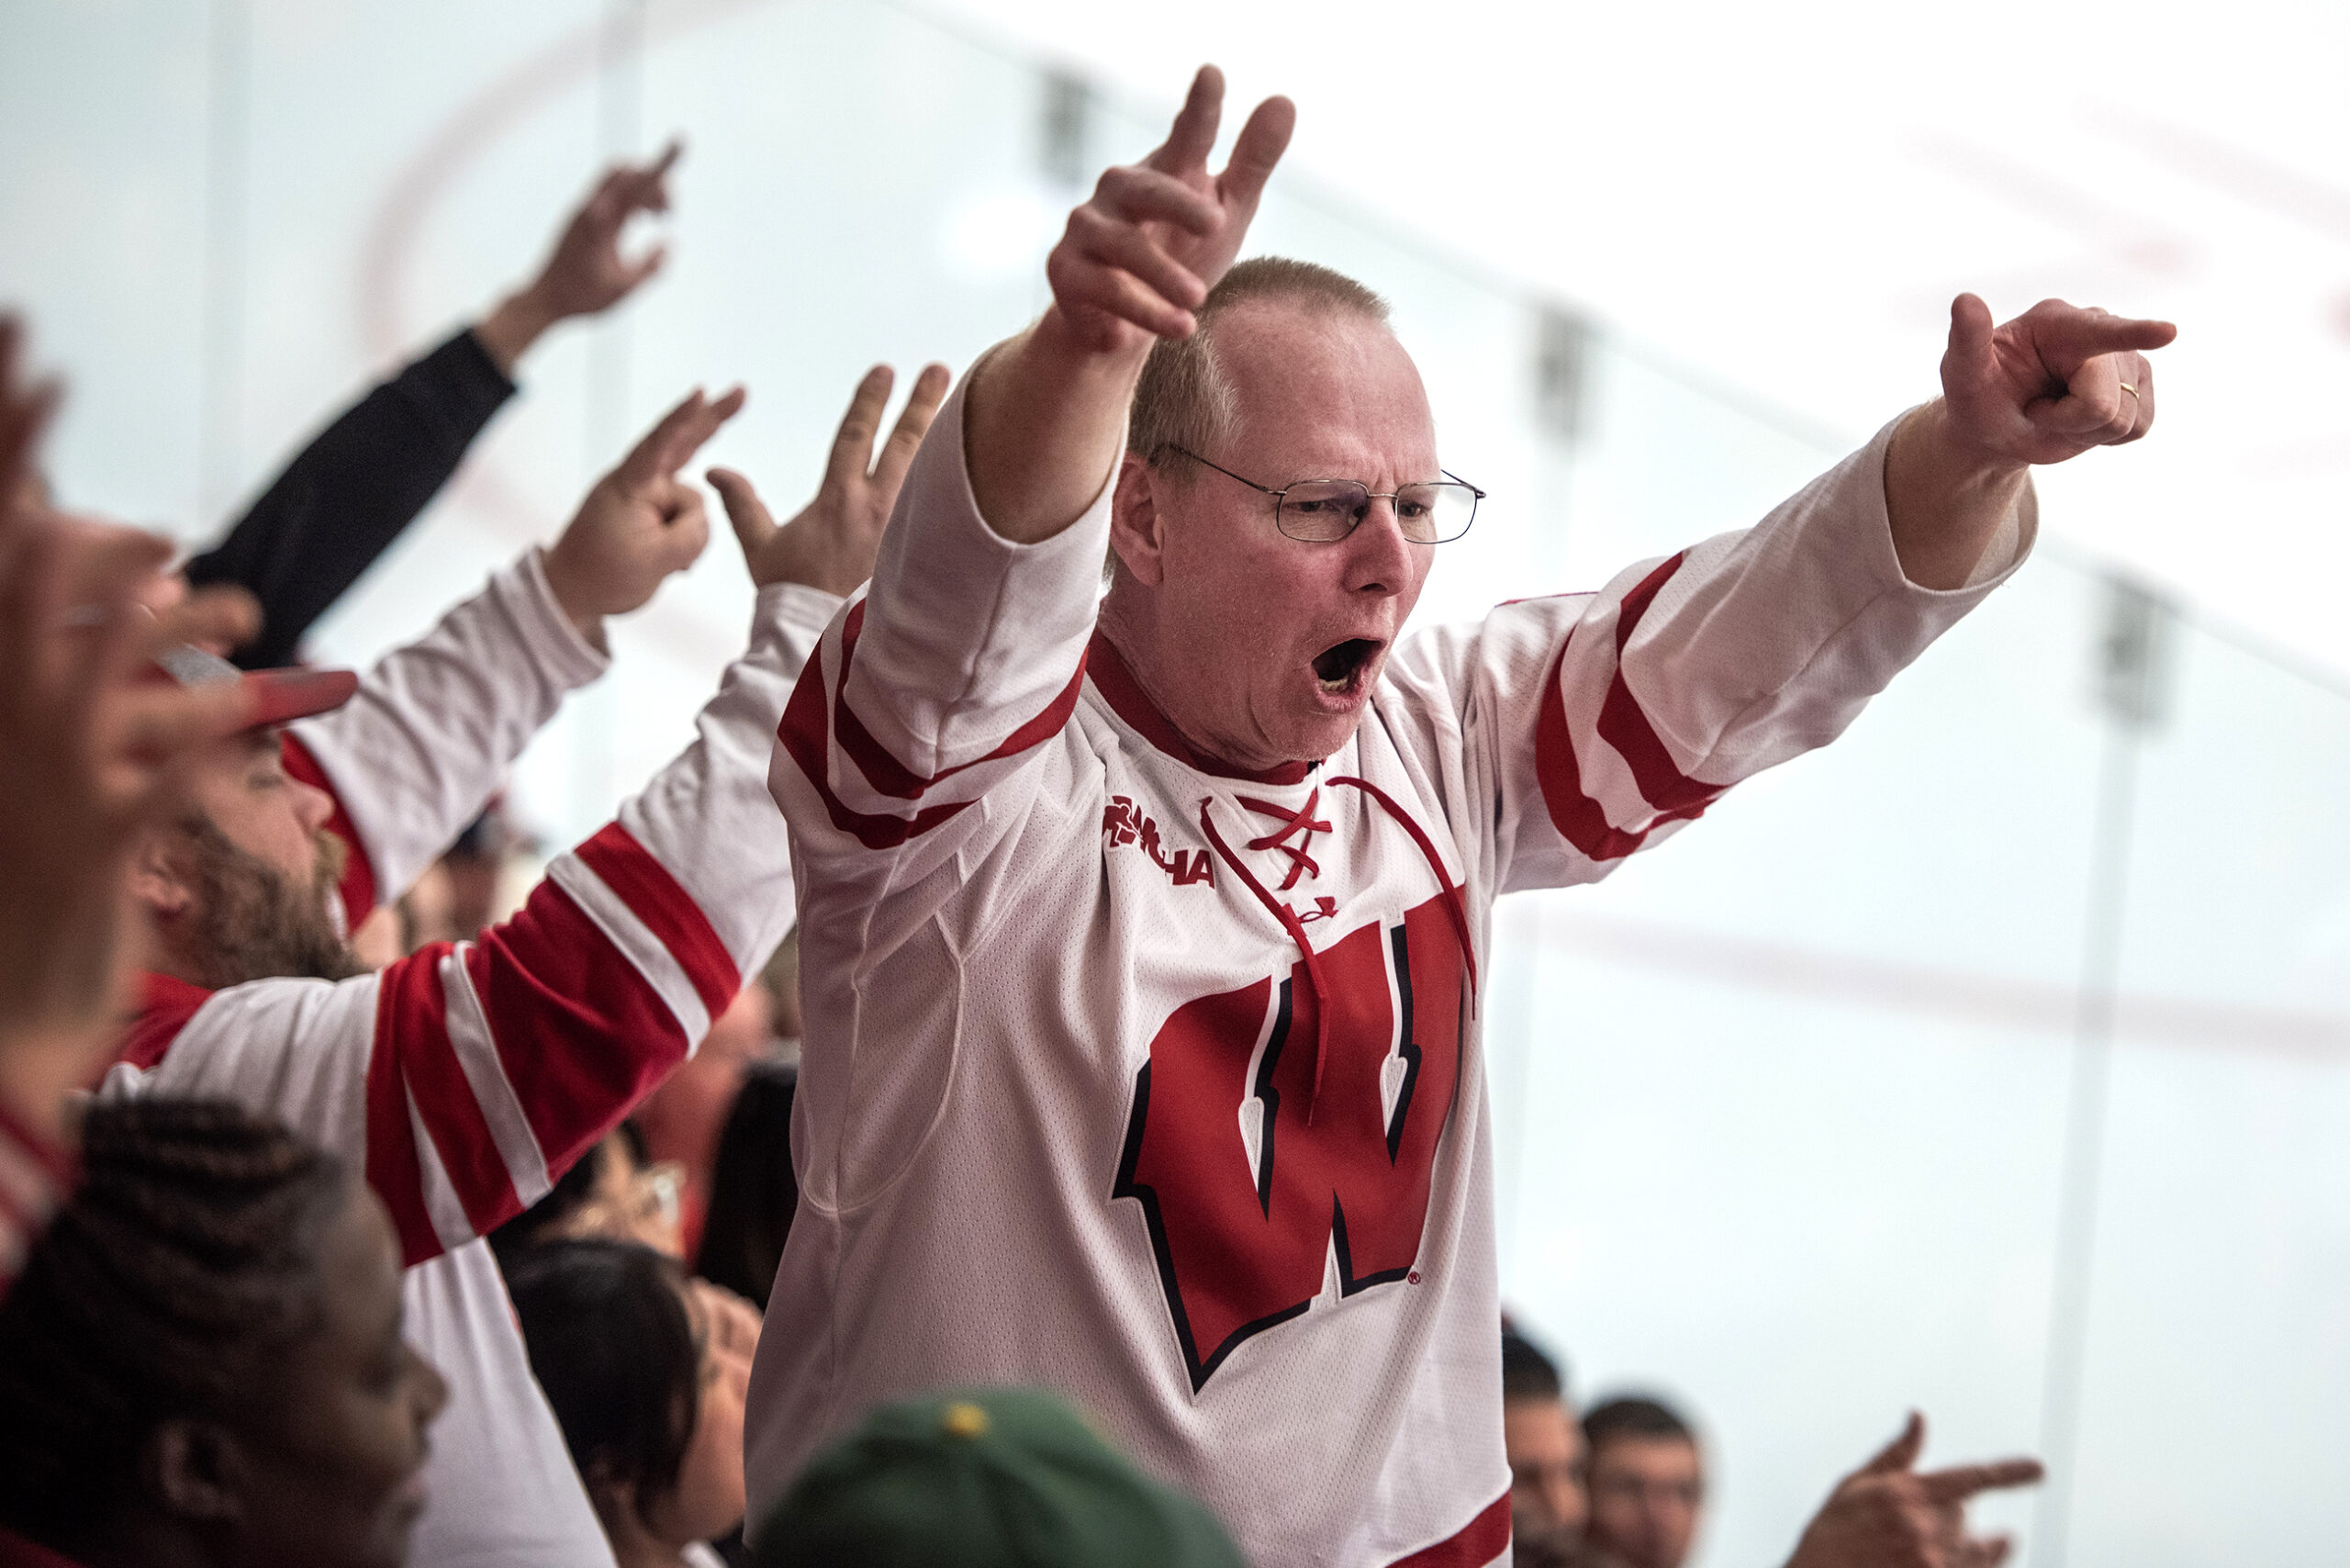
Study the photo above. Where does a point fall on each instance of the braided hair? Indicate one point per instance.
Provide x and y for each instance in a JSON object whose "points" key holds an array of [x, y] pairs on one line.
{"points": [[188, 1254]]}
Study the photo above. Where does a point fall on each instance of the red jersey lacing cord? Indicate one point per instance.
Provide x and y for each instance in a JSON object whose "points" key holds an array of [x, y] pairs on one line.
{"points": [[1280, 911], [1453, 903], [1300, 862]]}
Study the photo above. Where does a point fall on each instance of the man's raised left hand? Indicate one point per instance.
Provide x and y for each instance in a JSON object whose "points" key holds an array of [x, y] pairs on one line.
{"points": [[2048, 386]]}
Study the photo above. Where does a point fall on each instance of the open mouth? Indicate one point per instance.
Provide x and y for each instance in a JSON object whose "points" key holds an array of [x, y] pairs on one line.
{"points": [[1339, 666]]}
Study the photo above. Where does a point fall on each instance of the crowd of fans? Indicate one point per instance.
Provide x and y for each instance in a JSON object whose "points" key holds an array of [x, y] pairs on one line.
{"points": [[358, 1205]]}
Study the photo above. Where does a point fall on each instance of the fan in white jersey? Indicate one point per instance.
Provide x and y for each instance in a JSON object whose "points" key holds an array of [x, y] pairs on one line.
{"points": [[464, 1078], [1141, 932]]}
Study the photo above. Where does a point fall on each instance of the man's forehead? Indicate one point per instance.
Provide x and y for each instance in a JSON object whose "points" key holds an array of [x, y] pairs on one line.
{"points": [[1647, 1450], [1312, 381], [245, 749]]}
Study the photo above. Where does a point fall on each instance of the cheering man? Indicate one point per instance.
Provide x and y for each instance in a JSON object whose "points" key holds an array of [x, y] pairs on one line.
{"points": [[1142, 932]]}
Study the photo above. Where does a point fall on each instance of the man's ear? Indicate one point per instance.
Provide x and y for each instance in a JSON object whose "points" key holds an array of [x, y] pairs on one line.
{"points": [[159, 878], [1136, 525], [191, 1469]]}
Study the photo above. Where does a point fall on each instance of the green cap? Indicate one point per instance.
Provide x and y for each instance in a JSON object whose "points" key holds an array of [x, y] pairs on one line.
{"points": [[984, 1478]]}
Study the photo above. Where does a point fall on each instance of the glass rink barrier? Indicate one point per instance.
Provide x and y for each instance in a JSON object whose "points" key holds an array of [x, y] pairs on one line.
{"points": [[1993, 1062]]}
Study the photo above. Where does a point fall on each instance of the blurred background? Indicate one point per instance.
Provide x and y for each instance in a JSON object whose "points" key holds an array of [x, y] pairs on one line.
{"points": [[1993, 1062]]}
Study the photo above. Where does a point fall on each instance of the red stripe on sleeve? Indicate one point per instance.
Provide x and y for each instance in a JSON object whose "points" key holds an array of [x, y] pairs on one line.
{"points": [[583, 1035], [801, 735], [1577, 816], [165, 1004], [1481, 1540], [393, 1168], [1625, 727], [655, 898], [412, 1026], [889, 777], [358, 887]]}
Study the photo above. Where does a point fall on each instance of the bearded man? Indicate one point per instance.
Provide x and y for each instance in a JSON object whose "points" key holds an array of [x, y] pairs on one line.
{"points": [[466, 1078], [1142, 933]]}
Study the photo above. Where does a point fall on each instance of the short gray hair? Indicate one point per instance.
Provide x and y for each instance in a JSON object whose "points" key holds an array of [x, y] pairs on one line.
{"points": [[1184, 399]]}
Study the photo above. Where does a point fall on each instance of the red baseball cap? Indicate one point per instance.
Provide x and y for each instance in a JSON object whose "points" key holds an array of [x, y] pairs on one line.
{"points": [[280, 696]]}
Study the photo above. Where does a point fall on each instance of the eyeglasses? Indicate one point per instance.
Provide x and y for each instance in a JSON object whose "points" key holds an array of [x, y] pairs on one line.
{"points": [[1322, 511]]}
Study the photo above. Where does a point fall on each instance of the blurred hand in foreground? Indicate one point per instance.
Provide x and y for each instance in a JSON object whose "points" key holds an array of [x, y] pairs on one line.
{"points": [[93, 738]]}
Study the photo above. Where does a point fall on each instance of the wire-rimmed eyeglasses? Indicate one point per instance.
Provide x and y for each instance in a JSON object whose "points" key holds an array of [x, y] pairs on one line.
{"points": [[1322, 511]]}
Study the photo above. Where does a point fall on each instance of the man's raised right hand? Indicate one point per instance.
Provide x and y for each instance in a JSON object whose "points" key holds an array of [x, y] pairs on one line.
{"points": [[1141, 255]]}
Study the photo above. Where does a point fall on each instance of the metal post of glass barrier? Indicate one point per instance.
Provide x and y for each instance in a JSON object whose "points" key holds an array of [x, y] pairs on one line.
{"points": [[2132, 697]]}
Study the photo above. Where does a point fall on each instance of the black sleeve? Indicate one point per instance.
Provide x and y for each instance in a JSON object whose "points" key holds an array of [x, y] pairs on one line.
{"points": [[347, 497]]}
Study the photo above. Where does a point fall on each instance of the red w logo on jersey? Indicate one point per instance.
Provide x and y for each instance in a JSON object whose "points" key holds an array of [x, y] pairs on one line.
{"points": [[1244, 1198]]}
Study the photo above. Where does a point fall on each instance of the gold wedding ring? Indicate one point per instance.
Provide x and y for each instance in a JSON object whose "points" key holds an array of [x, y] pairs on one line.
{"points": [[2132, 390]]}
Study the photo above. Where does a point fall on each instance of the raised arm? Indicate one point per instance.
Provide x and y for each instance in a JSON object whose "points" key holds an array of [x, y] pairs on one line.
{"points": [[1046, 420], [969, 650], [361, 480], [2043, 389], [1601, 723], [417, 752]]}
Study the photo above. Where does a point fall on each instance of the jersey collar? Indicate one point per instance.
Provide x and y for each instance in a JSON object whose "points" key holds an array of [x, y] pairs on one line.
{"points": [[1119, 688]]}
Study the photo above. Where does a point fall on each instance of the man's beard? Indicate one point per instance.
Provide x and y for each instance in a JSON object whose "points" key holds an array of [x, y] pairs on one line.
{"points": [[253, 922]]}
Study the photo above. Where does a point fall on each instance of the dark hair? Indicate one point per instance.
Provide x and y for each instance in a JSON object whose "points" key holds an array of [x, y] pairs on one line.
{"points": [[1527, 1373], [188, 1255], [572, 1191], [614, 1347], [1634, 1416], [753, 1191]]}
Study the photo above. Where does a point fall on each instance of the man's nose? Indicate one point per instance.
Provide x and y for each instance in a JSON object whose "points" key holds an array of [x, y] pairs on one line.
{"points": [[314, 805], [1379, 559]]}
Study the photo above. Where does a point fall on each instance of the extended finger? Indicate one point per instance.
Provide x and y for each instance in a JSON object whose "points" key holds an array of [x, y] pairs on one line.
{"points": [[852, 452], [1970, 330], [1963, 1481], [683, 432], [2069, 338], [1142, 195], [1901, 1452], [1192, 136], [652, 179], [643, 462], [754, 525], [1260, 145], [1129, 249], [905, 436]]}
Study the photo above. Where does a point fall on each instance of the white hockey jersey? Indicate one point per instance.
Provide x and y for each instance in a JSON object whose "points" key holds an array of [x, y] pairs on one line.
{"points": [[1159, 1084], [465, 1079]]}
